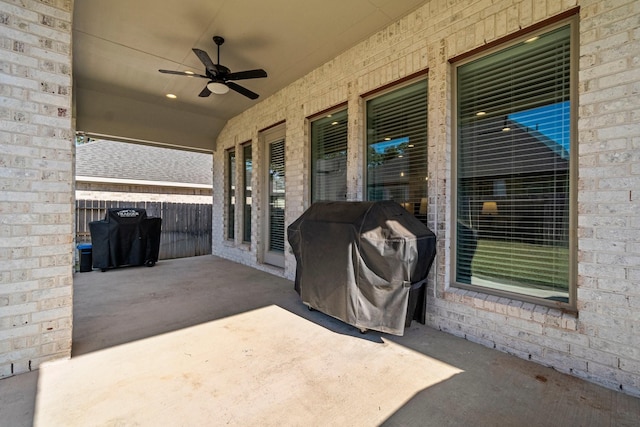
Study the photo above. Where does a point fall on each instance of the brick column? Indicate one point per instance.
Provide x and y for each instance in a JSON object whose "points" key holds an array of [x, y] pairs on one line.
{"points": [[36, 183]]}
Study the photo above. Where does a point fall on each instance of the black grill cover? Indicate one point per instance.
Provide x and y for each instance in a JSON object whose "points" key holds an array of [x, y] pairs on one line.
{"points": [[365, 263], [125, 237]]}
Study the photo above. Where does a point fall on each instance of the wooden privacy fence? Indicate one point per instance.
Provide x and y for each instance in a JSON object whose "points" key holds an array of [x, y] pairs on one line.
{"points": [[186, 228]]}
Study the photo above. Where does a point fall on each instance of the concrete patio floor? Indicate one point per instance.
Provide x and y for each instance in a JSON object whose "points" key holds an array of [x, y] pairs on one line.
{"points": [[205, 341]]}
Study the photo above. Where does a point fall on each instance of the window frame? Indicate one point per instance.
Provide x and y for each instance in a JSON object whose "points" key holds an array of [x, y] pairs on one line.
{"points": [[231, 197], [271, 197], [244, 147], [420, 76], [571, 19], [340, 108]]}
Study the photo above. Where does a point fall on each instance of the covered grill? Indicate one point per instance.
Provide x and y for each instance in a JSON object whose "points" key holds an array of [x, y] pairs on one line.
{"points": [[365, 263], [126, 236]]}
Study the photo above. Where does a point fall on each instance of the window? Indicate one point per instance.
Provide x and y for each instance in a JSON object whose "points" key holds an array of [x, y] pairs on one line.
{"points": [[513, 179], [276, 195], [246, 215], [329, 157], [397, 148], [231, 194], [273, 204]]}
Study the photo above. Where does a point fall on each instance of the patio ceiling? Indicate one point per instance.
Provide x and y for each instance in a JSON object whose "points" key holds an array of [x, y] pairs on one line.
{"points": [[119, 45]]}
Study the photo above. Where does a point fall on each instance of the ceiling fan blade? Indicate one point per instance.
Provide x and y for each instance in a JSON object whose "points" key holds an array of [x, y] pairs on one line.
{"points": [[205, 59], [183, 73], [249, 74], [205, 92], [242, 90]]}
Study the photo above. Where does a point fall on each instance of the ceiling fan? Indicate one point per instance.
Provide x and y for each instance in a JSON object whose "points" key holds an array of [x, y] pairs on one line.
{"points": [[220, 77]]}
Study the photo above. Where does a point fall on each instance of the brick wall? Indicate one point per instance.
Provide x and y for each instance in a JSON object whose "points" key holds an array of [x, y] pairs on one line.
{"points": [[602, 342], [609, 194], [36, 183]]}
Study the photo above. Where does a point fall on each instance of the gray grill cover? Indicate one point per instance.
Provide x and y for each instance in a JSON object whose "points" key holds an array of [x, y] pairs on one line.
{"points": [[365, 263]]}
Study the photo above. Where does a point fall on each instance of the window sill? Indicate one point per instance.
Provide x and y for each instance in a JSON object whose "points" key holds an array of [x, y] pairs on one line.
{"points": [[541, 314], [232, 244]]}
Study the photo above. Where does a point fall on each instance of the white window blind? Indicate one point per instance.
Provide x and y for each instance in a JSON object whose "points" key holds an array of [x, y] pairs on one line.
{"points": [[397, 148], [329, 157], [513, 145], [246, 214], [276, 196], [231, 194]]}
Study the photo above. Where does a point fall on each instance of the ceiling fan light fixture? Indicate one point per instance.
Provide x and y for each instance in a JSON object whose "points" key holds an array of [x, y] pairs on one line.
{"points": [[218, 88]]}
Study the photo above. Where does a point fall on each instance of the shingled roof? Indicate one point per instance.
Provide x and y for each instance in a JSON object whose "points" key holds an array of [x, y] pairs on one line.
{"points": [[128, 161]]}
